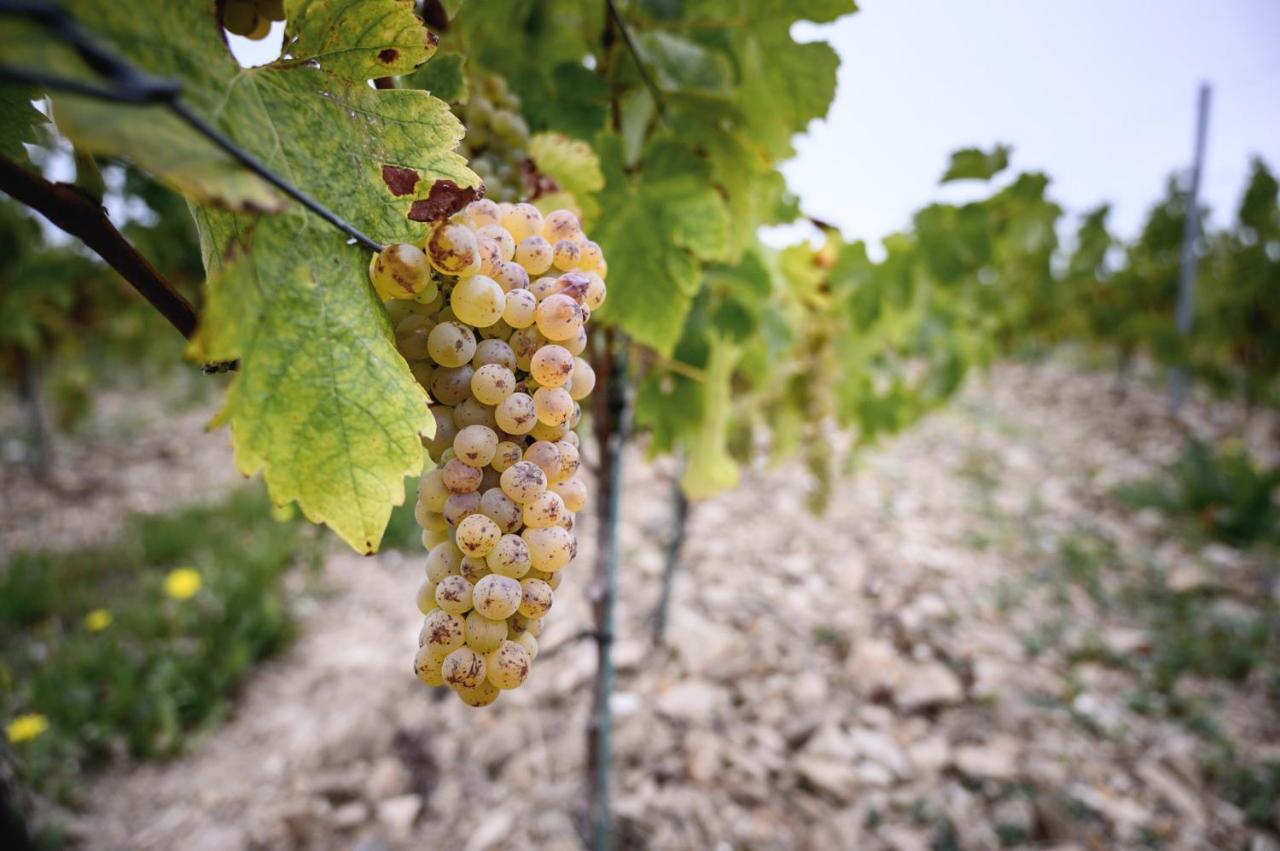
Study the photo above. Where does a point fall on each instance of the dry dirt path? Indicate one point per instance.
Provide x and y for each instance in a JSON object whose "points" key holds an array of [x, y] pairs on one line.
{"points": [[902, 673]]}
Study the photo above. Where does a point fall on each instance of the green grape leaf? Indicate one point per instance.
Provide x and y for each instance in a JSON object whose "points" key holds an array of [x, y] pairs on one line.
{"points": [[977, 164], [358, 39], [322, 404], [680, 64], [444, 76], [654, 232], [711, 468], [17, 120]]}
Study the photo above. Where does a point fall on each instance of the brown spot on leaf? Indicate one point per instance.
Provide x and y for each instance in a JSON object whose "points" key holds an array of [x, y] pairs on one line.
{"points": [[444, 199], [388, 55], [400, 180]]}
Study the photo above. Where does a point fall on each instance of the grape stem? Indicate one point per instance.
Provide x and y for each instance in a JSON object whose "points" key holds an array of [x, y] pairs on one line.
{"points": [[659, 100], [679, 522]]}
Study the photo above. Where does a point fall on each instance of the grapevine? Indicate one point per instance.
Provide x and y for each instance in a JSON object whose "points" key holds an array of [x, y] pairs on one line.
{"points": [[490, 311]]}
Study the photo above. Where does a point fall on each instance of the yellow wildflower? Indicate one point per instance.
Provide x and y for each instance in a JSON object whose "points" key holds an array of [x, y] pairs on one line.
{"points": [[182, 583], [97, 620], [24, 728]]}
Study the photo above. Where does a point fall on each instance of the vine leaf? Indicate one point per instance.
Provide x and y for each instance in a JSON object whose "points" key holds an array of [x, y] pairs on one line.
{"points": [[654, 232], [322, 404], [358, 39], [977, 164], [575, 168]]}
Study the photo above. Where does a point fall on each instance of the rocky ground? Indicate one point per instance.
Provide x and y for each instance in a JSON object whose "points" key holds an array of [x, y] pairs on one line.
{"points": [[953, 657]]}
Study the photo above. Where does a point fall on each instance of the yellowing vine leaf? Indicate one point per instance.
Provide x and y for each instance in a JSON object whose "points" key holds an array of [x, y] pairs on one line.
{"points": [[358, 39], [322, 403]]}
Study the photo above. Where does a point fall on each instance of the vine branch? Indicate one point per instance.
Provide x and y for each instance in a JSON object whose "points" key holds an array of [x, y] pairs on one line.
{"points": [[82, 217], [658, 99]]}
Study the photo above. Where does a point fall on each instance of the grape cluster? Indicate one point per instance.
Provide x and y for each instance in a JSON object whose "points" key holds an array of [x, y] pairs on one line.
{"points": [[497, 136], [251, 18], [490, 312]]}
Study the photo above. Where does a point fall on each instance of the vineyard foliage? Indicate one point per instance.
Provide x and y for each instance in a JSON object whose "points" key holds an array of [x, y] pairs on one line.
{"points": [[664, 128]]}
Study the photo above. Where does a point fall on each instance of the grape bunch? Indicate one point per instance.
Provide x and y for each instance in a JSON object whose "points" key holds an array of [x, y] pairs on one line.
{"points": [[490, 313], [497, 136], [251, 18]]}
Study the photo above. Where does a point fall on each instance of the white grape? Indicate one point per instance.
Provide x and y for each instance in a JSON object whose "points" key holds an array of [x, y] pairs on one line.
{"points": [[573, 492], [536, 597], [478, 301], [464, 668], [596, 291], [524, 342], [494, 351], [427, 597], [412, 335], [546, 456], [483, 212], [505, 455], [535, 254], [550, 549], [484, 635], [473, 412], [546, 509], [399, 271], [459, 506], [530, 644], [453, 594], [558, 317], [522, 221], [451, 385], [476, 445], [482, 694], [501, 509], [554, 405], [492, 383], [460, 477], [523, 481], [509, 557], [511, 276], [521, 309], [570, 461], [477, 535], [566, 254], [516, 414], [451, 344], [442, 631], [502, 237], [427, 664], [508, 666], [474, 569], [551, 365], [496, 597], [452, 250], [443, 560]]}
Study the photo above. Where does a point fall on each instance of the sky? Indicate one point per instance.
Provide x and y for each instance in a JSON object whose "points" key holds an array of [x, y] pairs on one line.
{"points": [[1100, 94]]}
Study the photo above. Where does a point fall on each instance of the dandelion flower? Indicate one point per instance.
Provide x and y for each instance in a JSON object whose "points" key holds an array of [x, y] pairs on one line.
{"points": [[182, 583], [97, 620], [24, 728]]}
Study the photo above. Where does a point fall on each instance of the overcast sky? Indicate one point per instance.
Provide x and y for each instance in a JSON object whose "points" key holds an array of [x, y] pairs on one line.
{"points": [[1098, 93]]}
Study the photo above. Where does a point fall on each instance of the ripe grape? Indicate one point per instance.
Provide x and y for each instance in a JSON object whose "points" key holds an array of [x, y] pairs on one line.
{"points": [[511, 276], [507, 667], [500, 508], [535, 254], [399, 271], [442, 632], [475, 445], [494, 351], [452, 250], [590, 256], [530, 644], [442, 561], [474, 569], [412, 335], [573, 492], [523, 481], [596, 291], [460, 477], [550, 549], [561, 224], [546, 456], [484, 635], [451, 344], [558, 317], [546, 509], [492, 383], [460, 506], [427, 664], [521, 309], [516, 414], [551, 365], [453, 594], [482, 694], [549, 433], [570, 461], [509, 557], [427, 597], [451, 385], [566, 254], [501, 237], [522, 221], [524, 342], [471, 411], [478, 301], [535, 598], [554, 405], [483, 212], [505, 455], [464, 668], [490, 255], [477, 535], [496, 597]]}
